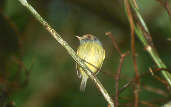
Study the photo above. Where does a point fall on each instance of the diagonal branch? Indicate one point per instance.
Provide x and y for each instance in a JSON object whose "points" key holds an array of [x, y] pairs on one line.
{"points": [[144, 35], [70, 51]]}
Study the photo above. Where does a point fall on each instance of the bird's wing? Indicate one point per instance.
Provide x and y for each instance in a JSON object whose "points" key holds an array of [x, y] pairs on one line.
{"points": [[101, 63]]}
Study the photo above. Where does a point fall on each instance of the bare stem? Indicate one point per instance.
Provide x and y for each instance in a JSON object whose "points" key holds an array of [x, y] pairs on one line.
{"points": [[144, 35], [109, 34], [70, 51], [117, 76], [132, 26]]}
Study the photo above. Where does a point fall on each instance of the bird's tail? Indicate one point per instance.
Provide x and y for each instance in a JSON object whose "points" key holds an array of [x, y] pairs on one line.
{"points": [[83, 83]]}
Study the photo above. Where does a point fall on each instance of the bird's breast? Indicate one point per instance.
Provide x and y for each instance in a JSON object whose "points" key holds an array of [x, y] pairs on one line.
{"points": [[93, 54]]}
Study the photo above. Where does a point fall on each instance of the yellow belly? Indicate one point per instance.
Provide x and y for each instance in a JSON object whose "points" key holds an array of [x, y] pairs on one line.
{"points": [[93, 54]]}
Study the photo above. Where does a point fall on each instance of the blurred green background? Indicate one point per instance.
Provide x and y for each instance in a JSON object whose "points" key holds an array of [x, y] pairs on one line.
{"points": [[35, 71]]}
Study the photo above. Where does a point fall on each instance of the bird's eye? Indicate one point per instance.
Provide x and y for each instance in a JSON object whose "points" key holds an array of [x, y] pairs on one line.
{"points": [[88, 36]]}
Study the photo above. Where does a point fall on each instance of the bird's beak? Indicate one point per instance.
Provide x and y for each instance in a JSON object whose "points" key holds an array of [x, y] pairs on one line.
{"points": [[79, 38]]}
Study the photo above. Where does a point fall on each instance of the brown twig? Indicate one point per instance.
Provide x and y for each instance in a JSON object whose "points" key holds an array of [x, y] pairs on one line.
{"points": [[122, 57], [131, 21], [117, 76], [143, 74], [145, 37], [157, 77], [126, 85], [155, 90], [109, 34], [148, 104]]}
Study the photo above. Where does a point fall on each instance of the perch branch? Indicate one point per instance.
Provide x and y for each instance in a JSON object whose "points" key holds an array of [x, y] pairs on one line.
{"points": [[70, 51]]}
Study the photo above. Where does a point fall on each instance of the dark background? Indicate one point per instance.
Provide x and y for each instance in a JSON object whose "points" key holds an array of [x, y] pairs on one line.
{"points": [[35, 71]]}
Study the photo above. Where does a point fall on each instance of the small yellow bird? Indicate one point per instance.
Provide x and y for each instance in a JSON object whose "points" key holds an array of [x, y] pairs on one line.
{"points": [[92, 53]]}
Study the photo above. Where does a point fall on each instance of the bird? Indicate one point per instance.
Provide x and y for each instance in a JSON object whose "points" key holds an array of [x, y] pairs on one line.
{"points": [[92, 53]]}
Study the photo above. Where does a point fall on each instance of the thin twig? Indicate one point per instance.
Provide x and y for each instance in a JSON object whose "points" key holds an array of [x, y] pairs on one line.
{"points": [[160, 69], [70, 51], [158, 91], [157, 77], [131, 21], [148, 104], [117, 76], [145, 37], [126, 85], [109, 34], [144, 74]]}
